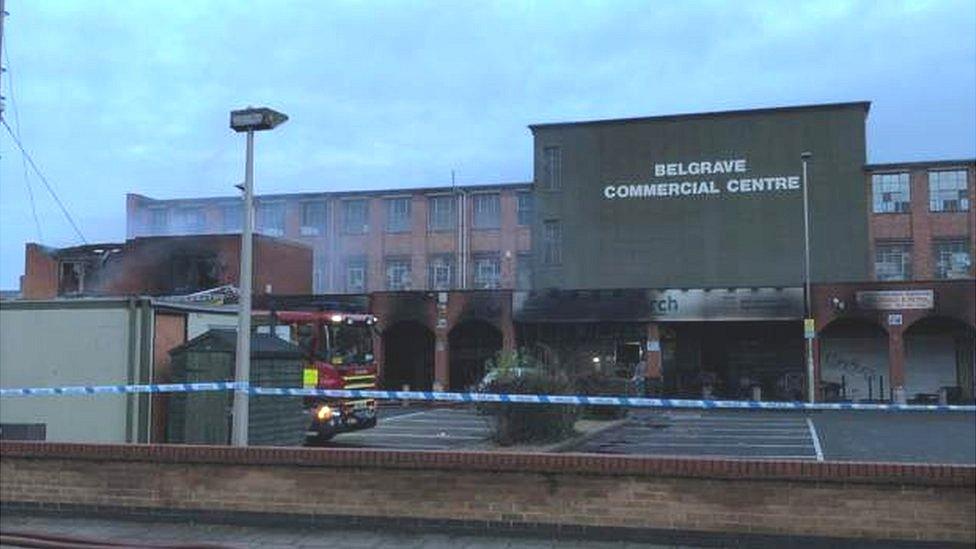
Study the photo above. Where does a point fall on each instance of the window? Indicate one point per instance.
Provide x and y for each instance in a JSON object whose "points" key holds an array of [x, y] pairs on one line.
{"points": [[320, 272], [440, 273], [948, 192], [440, 213], [189, 220], [356, 275], [487, 212], [552, 243], [233, 218], [523, 271], [72, 278], [525, 203], [398, 214], [271, 219], [952, 259], [157, 221], [552, 168], [398, 274], [487, 271], [314, 218], [893, 261], [355, 216], [891, 192]]}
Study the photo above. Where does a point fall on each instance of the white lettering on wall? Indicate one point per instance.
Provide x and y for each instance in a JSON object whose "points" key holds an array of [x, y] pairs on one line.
{"points": [[737, 185]]}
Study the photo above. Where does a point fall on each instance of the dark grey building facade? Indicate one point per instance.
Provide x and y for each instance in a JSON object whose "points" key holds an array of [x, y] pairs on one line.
{"points": [[700, 201]]}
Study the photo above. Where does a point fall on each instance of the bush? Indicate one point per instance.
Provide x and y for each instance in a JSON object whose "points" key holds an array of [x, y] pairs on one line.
{"points": [[516, 373], [597, 383]]}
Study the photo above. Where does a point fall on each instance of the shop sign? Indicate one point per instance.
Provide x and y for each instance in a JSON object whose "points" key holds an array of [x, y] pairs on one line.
{"points": [[896, 300], [734, 304], [703, 178]]}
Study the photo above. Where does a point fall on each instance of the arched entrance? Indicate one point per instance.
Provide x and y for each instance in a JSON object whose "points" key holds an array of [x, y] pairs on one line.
{"points": [[939, 357], [854, 361], [408, 356], [471, 344]]}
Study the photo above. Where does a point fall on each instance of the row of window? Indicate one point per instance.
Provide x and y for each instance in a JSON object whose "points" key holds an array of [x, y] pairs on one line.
{"points": [[270, 218], [442, 274], [948, 191], [893, 260]]}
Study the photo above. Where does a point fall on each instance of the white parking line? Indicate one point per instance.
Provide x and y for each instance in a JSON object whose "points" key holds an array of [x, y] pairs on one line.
{"points": [[402, 416], [437, 436], [816, 440]]}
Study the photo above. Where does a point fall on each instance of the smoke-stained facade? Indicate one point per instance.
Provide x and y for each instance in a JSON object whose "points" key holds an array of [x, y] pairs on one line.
{"points": [[699, 201]]}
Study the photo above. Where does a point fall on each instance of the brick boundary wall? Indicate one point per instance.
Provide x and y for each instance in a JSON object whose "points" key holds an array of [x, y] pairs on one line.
{"points": [[622, 496]]}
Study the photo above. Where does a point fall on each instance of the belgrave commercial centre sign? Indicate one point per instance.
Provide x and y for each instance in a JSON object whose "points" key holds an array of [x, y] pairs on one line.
{"points": [[681, 179]]}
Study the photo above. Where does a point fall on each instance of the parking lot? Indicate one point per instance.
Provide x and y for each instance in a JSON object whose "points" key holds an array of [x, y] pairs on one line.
{"points": [[413, 428], [918, 437]]}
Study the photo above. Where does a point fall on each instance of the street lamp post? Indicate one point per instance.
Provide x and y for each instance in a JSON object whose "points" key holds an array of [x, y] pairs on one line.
{"points": [[247, 121], [809, 330]]}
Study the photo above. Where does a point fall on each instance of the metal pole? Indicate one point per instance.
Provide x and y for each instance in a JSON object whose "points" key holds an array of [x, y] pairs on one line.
{"points": [[811, 382], [242, 372]]}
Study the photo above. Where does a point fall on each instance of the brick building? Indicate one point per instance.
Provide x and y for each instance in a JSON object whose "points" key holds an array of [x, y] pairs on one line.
{"points": [[163, 265], [674, 238], [439, 238]]}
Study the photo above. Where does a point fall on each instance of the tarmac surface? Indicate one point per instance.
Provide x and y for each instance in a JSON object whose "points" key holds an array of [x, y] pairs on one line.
{"points": [[413, 428], [915, 437], [162, 534]]}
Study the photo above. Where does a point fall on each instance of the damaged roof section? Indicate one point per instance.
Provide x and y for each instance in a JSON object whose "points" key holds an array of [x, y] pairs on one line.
{"points": [[162, 266]]}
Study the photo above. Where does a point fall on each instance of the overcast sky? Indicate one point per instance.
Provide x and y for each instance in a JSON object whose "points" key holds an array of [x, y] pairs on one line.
{"points": [[117, 97]]}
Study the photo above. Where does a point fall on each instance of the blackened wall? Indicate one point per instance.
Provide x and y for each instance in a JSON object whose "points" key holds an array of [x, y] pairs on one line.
{"points": [[706, 240]]}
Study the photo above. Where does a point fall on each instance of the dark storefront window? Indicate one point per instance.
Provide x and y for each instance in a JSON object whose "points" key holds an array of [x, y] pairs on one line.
{"points": [[552, 243], [952, 259], [440, 213], [398, 215], [441, 272], [487, 211], [356, 275], [314, 218], [552, 168], [891, 192], [487, 271], [398, 274], [947, 191], [893, 261], [525, 206], [355, 216], [271, 219]]}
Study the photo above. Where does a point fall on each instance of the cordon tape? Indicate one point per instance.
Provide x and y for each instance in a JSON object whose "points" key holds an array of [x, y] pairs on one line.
{"points": [[438, 396]]}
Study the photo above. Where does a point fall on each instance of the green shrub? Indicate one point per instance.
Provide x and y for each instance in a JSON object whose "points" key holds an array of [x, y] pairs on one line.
{"points": [[516, 373]]}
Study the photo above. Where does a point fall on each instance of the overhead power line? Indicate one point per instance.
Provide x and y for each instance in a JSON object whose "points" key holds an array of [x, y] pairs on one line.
{"points": [[43, 179], [23, 159]]}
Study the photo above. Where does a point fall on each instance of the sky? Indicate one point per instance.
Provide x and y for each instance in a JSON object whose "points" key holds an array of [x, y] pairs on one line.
{"points": [[116, 97]]}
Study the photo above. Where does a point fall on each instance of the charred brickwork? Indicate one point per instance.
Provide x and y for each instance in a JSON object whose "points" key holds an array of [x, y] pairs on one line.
{"points": [[163, 266]]}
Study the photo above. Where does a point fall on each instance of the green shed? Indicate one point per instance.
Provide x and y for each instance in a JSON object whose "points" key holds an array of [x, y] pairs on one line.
{"points": [[205, 417]]}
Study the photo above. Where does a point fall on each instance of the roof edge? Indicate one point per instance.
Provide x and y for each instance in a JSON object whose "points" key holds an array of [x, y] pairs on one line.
{"points": [[866, 105]]}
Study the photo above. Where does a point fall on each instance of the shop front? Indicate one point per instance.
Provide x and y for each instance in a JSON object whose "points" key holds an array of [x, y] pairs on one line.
{"points": [[910, 341], [721, 343]]}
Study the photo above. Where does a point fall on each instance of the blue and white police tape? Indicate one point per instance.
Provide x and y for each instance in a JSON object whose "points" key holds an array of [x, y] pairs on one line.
{"points": [[438, 396]]}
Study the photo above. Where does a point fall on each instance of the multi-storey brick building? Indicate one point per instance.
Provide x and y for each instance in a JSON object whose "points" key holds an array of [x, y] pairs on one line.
{"points": [[922, 220], [473, 237], [678, 239]]}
